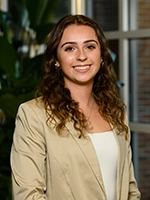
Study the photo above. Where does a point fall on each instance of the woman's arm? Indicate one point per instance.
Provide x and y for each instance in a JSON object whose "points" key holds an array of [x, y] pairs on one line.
{"points": [[28, 156], [134, 193]]}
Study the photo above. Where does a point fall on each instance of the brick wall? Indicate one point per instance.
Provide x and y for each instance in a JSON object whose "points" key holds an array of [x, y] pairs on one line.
{"points": [[144, 98]]}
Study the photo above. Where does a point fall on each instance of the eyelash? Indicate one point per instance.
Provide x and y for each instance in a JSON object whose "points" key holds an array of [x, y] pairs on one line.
{"points": [[69, 49], [88, 47], [91, 47]]}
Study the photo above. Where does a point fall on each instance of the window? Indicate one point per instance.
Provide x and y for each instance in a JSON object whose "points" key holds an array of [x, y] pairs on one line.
{"points": [[126, 24]]}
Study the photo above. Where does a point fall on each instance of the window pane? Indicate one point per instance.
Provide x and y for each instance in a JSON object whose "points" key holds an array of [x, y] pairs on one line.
{"points": [[140, 80], [63, 9], [114, 50], [139, 14], [105, 12]]}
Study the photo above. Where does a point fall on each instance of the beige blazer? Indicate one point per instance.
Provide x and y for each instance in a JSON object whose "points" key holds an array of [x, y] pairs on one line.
{"points": [[48, 166]]}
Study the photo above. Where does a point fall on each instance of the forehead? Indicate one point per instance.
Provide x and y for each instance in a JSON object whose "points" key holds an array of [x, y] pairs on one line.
{"points": [[78, 32]]}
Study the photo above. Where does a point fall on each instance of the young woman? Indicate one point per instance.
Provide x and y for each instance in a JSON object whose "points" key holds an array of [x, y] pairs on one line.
{"points": [[73, 142]]}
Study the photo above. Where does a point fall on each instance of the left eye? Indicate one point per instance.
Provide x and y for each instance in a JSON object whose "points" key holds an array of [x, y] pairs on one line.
{"points": [[90, 47], [69, 49]]}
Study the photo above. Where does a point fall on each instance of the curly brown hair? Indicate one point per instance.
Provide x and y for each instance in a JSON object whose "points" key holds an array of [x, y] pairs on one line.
{"points": [[57, 98]]}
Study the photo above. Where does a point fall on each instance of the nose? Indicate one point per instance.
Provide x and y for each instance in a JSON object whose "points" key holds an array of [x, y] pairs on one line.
{"points": [[81, 55]]}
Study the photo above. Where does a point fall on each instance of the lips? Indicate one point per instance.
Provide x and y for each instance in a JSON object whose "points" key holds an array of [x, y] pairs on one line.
{"points": [[82, 67]]}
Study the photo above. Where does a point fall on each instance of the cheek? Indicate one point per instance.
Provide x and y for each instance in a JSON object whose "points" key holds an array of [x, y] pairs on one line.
{"points": [[96, 55], [66, 60], [97, 58]]}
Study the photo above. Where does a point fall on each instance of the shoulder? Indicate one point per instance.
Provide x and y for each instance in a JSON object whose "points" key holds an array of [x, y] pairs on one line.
{"points": [[32, 109], [126, 121], [33, 105], [123, 135]]}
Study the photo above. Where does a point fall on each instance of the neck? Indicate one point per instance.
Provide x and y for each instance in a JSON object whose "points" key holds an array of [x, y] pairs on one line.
{"points": [[80, 92], [83, 97]]}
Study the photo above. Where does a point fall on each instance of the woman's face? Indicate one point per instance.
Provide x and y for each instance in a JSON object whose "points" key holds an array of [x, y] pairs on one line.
{"points": [[79, 55]]}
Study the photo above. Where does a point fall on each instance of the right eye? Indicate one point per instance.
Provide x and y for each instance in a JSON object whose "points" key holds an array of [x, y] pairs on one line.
{"points": [[69, 49]]}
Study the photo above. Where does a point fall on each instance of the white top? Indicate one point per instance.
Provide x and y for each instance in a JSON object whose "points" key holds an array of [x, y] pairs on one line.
{"points": [[107, 153]]}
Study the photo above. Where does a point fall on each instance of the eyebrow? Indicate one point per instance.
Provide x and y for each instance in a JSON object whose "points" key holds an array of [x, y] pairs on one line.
{"points": [[76, 42]]}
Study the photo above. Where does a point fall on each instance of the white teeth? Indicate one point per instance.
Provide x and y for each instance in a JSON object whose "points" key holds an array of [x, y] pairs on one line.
{"points": [[82, 68]]}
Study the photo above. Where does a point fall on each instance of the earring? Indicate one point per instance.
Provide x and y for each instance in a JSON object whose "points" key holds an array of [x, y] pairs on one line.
{"points": [[102, 62], [57, 65]]}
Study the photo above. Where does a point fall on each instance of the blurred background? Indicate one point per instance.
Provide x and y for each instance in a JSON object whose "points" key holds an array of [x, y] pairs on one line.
{"points": [[24, 25]]}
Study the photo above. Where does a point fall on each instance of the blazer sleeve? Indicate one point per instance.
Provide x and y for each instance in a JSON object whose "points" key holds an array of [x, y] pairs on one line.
{"points": [[28, 156], [134, 193]]}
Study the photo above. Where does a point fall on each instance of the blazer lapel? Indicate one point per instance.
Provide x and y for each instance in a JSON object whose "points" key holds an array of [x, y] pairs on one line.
{"points": [[88, 151]]}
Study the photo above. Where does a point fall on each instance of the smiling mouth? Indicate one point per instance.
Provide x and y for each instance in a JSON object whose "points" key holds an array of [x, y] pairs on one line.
{"points": [[81, 67]]}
